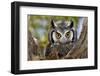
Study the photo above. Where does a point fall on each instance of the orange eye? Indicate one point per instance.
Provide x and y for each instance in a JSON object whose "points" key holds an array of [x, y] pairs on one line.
{"points": [[68, 34], [58, 35]]}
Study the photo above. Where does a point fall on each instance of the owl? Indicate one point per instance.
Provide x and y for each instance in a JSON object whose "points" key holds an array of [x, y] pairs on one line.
{"points": [[62, 32], [62, 36]]}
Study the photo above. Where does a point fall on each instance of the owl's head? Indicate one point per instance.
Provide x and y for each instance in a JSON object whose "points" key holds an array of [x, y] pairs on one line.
{"points": [[63, 32]]}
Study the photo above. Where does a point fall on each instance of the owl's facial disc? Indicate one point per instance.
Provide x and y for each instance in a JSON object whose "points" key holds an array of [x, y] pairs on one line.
{"points": [[63, 37], [66, 36]]}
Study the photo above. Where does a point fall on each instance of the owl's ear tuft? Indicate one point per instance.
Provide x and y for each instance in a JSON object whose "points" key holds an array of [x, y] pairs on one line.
{"points": [[72, 24], [53, 24]]}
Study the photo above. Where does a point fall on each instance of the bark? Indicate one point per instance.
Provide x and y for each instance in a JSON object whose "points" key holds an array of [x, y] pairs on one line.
{"points": [[32, 47]]}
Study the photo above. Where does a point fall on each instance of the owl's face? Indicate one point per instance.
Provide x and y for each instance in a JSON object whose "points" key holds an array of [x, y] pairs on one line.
{"points": [[63, 32]]}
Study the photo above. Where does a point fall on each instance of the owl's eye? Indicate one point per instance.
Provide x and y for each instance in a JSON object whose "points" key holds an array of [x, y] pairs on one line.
{"points": [[58, 35], [68, 34]]}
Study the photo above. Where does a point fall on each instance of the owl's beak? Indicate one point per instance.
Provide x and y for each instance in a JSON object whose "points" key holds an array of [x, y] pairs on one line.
{"points": [[63, 40]]}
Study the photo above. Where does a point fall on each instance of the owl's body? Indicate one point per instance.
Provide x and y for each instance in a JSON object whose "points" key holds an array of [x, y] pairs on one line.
{"points": [[61, 35]]}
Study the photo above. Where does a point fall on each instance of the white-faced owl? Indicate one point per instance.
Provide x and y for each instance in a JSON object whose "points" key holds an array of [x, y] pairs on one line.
{"points": [[62, 36]]}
